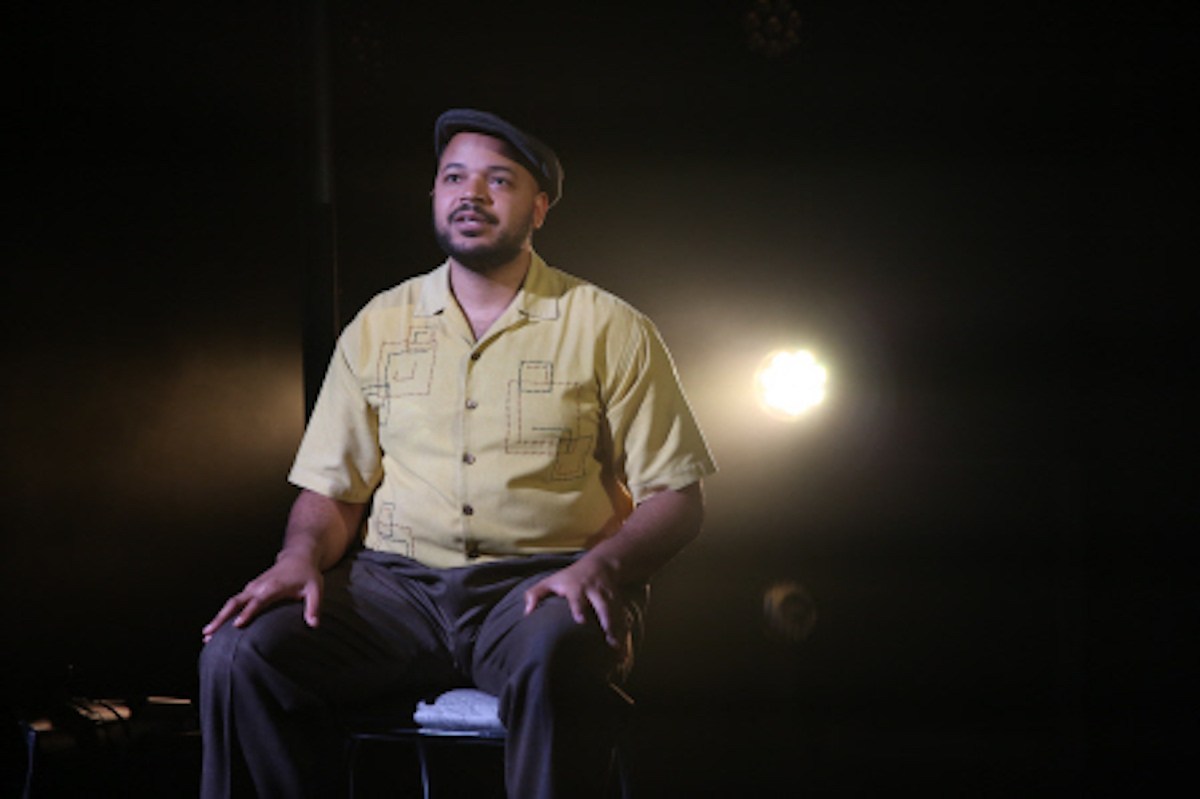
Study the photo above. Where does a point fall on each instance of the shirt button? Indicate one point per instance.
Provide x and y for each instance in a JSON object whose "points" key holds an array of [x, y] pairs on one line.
{"points": [[472, 405], [468, 458], [472, 550], [468, 510], [474, 356]]}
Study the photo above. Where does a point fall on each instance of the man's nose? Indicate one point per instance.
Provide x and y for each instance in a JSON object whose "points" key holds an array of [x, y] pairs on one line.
{"points": [[474, 190]]}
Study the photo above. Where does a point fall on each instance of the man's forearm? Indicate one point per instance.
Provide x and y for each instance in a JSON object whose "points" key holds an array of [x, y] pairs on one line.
{"points": [[654, 533], [320, 529]]}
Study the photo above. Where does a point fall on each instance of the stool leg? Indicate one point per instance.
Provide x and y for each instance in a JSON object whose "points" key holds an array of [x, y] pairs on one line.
{"points": [[351, 766], [621, 773], [31, 744], [422, 759]]}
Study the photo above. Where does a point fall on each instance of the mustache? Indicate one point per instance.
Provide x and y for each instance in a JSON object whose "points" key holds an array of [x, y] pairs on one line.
{"points": [[474, 210]]}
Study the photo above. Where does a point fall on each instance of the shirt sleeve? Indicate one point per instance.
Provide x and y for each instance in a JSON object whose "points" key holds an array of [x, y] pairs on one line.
{"points": [[656, 443], [340, 456]]}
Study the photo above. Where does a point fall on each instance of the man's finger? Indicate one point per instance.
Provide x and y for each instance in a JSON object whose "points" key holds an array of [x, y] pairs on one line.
{"points": [[534, 596], [600, 607], [249, 611], [612, 620], [575, 602], [231, 606], [312, 605]]}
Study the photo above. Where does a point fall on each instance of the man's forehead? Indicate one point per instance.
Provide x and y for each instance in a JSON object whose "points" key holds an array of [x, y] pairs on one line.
{"points": [[467, 141]]}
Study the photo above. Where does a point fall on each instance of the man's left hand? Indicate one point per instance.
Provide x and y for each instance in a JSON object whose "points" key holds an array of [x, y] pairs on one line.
{"points": [[591, 590]]}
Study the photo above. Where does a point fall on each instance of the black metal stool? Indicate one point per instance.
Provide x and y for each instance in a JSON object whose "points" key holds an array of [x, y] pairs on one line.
{"points": [[458, 716]]}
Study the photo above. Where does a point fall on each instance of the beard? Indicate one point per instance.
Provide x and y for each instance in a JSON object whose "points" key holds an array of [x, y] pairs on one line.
{"points": [[480, 256]]}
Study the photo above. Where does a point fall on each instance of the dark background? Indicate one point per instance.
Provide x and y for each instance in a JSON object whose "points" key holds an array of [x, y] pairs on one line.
{"points": [[977, 214]]}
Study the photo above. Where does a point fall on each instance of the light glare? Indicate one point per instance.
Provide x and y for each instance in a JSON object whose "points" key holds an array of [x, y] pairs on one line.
{"points": [[790, 383]]}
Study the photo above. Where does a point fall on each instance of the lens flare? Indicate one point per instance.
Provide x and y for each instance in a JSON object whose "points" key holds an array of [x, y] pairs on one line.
{"points": [[790, 383]]}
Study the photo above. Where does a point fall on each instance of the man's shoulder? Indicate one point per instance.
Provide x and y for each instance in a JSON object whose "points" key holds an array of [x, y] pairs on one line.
{"points": [[584, 296], [393, 312], [418, 295]]}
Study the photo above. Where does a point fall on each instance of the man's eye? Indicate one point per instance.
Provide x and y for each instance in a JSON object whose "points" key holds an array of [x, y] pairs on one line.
{"points": [[501, 181], [451, 178]]}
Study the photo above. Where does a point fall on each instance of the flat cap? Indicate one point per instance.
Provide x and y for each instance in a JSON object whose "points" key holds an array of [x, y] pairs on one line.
{"points": [[532, 153]]}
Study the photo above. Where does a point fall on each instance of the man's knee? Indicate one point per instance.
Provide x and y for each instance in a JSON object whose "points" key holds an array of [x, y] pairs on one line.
{"points": [[567, 653], [233, 651], [216, 655]]}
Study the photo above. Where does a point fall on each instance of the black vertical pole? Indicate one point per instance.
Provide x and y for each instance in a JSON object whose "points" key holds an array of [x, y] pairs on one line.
{"points": [[320, 320]]}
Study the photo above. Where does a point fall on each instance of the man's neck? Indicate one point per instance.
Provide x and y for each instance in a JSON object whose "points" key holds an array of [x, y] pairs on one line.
{"points": [[484, 297]]}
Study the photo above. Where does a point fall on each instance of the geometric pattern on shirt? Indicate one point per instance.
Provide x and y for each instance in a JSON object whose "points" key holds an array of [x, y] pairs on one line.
{"points": [[537, 424], [396, 534], [405, 369]]}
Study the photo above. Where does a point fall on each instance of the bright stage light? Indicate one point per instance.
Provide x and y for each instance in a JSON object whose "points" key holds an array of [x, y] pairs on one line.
{"points": [[790, 383]]}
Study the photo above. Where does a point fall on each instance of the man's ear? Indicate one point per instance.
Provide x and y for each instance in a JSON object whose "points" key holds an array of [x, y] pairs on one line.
{"points": [[541, 206]]}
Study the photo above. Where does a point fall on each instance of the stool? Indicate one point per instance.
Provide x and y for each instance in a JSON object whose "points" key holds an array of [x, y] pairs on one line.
{"points": [[458, 716]]}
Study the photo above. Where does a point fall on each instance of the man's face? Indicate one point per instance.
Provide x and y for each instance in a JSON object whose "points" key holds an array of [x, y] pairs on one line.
{"points": [[485, 205]]}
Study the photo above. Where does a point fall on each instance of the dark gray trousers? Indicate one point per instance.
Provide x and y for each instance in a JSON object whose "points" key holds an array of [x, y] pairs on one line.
{"points": [[274, 695]]}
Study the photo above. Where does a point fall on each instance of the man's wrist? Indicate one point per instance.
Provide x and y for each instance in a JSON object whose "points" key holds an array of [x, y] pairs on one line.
{"points": [[606, 562], [302, 553]]}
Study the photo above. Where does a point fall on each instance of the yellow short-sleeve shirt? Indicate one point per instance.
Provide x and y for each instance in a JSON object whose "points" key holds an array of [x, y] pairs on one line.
{"points": [[533, 439]]}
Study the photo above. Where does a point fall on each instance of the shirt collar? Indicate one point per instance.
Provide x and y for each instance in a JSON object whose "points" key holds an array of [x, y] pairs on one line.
{"points": [[536, 299], [539, 294]]}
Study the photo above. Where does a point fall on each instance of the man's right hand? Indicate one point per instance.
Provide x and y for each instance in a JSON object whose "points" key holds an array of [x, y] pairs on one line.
{"points": [[292, 577]]}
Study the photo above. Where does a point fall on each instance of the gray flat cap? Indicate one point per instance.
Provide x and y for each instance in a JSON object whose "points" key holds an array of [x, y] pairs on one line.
{"points": [[533, 154]]}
